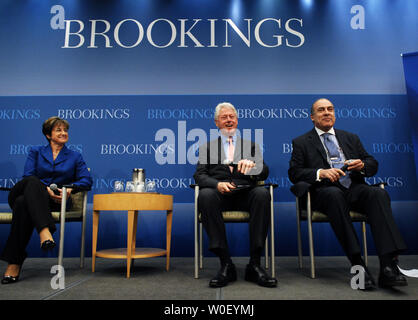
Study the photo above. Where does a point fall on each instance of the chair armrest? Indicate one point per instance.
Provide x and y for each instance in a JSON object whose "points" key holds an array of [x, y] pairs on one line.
{"points": [[299, 189], [76, 188], [274, 185], [5, 189]]}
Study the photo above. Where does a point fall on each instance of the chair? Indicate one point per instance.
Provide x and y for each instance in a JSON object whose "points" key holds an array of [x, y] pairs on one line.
{"points": [[76, 214], [304, 213], [230, 216]]}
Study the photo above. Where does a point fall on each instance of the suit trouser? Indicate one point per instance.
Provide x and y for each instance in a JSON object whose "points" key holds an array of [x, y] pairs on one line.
{"points": [[336, 201], [255, 200], [31, 207]]}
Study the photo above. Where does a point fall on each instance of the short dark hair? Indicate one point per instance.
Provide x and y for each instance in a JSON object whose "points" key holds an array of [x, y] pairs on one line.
{"points": [[312, 107], [51, 122]]}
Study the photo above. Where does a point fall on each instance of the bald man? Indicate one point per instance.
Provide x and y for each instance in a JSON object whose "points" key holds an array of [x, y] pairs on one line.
{"points": [[317, 158]]}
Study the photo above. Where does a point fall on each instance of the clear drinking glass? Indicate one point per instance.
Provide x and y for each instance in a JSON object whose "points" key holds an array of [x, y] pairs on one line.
{"points": [[130, 186], [151, 186], [140, 187], [118, 186]]}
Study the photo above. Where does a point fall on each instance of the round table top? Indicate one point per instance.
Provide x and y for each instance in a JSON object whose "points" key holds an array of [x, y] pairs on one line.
{"points": [[132, 201]]}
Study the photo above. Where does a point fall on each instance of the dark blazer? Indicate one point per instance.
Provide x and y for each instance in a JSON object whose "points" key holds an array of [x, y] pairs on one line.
{"points": [[211, 168], [309, 155], [68, 168]]}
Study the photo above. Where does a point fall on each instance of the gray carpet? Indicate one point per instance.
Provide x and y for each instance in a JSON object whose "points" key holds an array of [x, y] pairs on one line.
{"points": [[150, 281]]}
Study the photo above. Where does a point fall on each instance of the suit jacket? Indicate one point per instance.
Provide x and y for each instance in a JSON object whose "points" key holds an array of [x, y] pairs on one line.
{"points": [[68, 168], [211, 168], [309, 155]]}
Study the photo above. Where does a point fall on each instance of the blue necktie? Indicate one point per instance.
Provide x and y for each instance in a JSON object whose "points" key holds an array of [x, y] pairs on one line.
{"points": [[331, 146], [335, 153]]}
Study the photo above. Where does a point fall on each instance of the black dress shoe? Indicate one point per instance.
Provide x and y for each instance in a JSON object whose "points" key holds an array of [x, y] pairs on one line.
{"points": [[369, 282], [255, 273], [9, 279], [48, 245], [226, 274], [390, 276]]}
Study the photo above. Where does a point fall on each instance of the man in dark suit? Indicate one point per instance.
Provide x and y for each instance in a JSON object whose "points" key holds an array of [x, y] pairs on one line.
{"points": [[317, 158], [227, 173]]}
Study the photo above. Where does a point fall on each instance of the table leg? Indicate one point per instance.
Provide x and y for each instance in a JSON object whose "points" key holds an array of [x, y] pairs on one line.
{"points": [[134, 236], [94, 241], [131, 222], [168, 245]]}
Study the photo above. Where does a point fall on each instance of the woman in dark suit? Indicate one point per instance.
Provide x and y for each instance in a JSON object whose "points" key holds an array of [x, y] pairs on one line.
{"points": [[32, 199]]}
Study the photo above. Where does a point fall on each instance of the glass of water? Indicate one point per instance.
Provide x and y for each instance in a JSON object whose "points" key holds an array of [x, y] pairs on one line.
{"points": [[140, 187], [118, 186], [130, 186], [151, 186]]}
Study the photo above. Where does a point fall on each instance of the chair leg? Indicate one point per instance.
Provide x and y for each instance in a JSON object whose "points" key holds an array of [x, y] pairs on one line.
{"points": [[363, 225], [266, 254], [196, 251], [273, 252], [200, 245], [83, 247], [196, 234], [196, 255], [83, 232], [299, 235], [62, 226], [311, 248]]}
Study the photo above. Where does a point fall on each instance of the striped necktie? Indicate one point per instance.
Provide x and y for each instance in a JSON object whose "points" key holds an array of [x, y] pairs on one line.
{"points": [[230, 152]]}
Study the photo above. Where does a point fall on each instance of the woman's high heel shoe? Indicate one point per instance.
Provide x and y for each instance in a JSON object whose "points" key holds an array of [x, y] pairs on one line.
{"points": [[10, 279], [48, 245]]}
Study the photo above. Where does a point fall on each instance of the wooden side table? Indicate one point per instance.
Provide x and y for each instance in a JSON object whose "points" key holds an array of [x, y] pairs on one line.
{"points": [[131, 202]]}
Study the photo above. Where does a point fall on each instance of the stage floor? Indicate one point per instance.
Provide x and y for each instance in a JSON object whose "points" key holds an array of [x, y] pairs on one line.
{"points": [[150, 281]]}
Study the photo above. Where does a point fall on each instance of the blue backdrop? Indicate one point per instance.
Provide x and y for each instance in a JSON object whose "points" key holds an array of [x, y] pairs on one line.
{"points": [[410, 62], [123, 72]]}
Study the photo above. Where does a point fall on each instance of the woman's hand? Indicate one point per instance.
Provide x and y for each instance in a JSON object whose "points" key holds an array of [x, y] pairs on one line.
{"points": [[57, 198]]}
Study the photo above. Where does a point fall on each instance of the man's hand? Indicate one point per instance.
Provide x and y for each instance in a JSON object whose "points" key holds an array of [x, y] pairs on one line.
{"points": [[225, 187], [244, 166], [332, 174], [355, 165]]}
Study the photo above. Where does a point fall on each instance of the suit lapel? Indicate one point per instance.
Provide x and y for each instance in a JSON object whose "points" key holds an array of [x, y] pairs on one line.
{"points": [[63, 155], [216, 152], [238, 150], [316, 142], [343, 143], [221, 151], [46, 153]]}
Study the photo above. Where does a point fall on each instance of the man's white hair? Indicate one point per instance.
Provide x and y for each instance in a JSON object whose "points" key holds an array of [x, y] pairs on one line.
{"points": [[223, 105]]}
